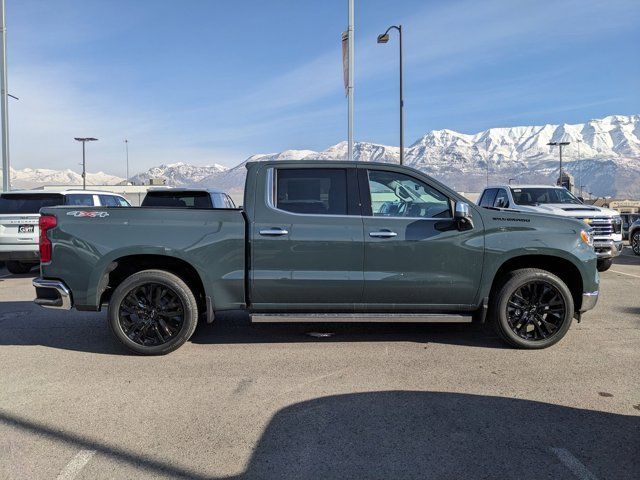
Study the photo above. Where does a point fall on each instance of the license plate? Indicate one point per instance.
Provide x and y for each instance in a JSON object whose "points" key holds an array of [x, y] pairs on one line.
{"points": [[25, 229]]}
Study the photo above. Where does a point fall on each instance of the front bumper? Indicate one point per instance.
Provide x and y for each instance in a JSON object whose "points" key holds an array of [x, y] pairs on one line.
{"points": [[607, 248], [589, 300], [52, 294]]}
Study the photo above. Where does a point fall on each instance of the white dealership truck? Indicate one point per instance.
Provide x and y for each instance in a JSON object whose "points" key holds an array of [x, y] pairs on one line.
{"points": [[606, 223]]}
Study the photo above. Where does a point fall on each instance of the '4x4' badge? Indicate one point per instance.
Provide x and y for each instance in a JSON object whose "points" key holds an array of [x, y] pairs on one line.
{"points": [[88, 214]]}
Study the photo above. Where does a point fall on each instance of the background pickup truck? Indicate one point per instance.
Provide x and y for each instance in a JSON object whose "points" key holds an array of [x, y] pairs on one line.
{"points": [[320, 241], [606, 223]]}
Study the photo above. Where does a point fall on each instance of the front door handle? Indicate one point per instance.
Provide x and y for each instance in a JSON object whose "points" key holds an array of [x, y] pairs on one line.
{"points": [[274, 232], [383, 234]]}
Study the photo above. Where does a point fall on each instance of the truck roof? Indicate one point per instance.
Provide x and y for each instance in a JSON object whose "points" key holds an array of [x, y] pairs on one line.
{"points": [[523, 186], [322, 162], [184, 189], [60, 192]]}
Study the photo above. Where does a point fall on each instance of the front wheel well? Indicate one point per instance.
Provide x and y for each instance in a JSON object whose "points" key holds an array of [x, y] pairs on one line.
{"points": [[124, 267], [560, 267]]}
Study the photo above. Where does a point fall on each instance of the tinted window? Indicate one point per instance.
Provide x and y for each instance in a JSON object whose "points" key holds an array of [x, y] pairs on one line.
{"points": [[397, 195], [177, 199], [501, 201], [80, 200], [315, 191], [488, 197], [112, 201], [28, 203]]}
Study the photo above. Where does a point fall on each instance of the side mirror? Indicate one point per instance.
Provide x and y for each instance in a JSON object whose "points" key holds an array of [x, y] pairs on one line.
{"points": [[461, 210], [462, 216]]}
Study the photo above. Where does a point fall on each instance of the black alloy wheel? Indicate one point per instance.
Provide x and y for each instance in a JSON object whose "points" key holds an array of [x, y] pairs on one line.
{"points": [[536, 311], [635, 243], [151, 314]]}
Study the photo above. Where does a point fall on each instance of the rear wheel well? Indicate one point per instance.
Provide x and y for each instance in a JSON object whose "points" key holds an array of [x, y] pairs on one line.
{"points": [[561, 268], [124, 267]]}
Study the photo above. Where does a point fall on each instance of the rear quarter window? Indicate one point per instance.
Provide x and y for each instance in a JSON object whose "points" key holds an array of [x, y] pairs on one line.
{"points": [[79, 200]]}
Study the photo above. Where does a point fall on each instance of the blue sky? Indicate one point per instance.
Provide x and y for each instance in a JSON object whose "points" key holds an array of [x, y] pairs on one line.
{"points": [[215, 81]]}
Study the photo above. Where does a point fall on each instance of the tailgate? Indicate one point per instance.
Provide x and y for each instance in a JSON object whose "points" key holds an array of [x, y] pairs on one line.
{"points": [[19, 229]]}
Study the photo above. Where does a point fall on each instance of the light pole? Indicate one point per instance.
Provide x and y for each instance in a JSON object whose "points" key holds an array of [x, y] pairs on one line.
{"points": [[126, 148], [579, 167], [4, 107], [84, 163], [384, 38], [559, 144]]}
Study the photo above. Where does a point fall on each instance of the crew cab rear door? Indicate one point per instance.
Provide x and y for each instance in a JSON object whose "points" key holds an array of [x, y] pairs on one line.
{"points": [[415, 258], [307, 240]]}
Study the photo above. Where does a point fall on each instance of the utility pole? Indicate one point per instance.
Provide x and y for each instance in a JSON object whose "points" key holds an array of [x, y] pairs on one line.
{"points": [[579, 168], [351, 54], [560, 145], [126, 147], [4, 106]]}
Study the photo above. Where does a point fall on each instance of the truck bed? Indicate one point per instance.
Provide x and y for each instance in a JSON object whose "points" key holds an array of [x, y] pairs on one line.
{"points": [[90, 242]]}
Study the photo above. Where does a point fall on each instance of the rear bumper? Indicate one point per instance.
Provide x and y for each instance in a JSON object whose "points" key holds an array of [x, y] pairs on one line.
{"points": [[589, 300], [607, 248], [52, 294]]}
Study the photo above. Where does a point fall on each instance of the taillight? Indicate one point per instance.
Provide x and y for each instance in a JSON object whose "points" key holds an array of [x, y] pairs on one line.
{"points": [[46, 222]]}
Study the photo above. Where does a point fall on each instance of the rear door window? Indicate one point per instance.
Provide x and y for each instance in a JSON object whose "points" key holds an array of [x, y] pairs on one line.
{"points": [[502, 200], [80, 200], [112, 201], [312, 191], [17, 203]]}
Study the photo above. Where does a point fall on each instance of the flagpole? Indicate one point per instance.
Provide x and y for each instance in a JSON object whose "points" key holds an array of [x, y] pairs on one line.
{"points": [[350, 82], [6, 170]]}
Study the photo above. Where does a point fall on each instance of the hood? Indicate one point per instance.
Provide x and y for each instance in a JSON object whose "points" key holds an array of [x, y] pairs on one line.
{"points": [[569, 210]]}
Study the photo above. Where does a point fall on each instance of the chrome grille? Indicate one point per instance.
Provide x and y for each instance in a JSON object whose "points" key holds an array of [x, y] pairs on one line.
{"points": [[601, 226]]}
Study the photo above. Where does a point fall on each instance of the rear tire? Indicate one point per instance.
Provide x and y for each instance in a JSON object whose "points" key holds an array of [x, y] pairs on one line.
{"points": [[153, 312], [605, 264], [635, 243], [19, 267], [531, 309]]}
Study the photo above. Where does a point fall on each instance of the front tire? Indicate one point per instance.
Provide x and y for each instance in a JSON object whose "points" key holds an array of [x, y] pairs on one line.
{"points": [[19, 267], [635, 243], [605, 264], [531, 309], [153, 312]]}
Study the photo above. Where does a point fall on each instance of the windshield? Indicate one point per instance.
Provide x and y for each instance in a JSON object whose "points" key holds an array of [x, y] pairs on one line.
{"points": [[539, 195], [12, 203]]}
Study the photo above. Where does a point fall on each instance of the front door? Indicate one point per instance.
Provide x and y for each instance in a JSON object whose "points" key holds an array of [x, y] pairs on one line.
{"points": [[307, 241], [415, 257]]}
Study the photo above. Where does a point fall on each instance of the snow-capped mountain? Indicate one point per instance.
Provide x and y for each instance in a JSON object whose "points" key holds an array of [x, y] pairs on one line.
{"points": [[178, 174], [604, 156], [34, 177]]}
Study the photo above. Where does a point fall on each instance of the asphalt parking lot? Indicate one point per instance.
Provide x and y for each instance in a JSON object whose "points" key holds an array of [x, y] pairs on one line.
{"points": [[270, 401]]}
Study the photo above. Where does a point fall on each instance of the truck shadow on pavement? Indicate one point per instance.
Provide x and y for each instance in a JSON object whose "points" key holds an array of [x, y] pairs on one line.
{"points": [[24, 323], [401, 434]]}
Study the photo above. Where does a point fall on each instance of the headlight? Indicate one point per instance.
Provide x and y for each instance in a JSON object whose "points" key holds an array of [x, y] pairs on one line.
{"points": [[587, 237], [617, 224]]}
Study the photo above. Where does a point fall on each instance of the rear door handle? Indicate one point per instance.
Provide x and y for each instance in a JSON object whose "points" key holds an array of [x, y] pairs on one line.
{"points": [[383, 234], [274, 232]]}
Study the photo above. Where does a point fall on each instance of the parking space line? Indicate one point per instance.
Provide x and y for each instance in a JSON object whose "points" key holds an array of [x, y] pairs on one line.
{"points": [[76, 464], [624, 273], [573, 464]]}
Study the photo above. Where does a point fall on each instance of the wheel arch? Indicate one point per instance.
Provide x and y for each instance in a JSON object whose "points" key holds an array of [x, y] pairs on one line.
{"points": [[560, 267], [123, 267]]}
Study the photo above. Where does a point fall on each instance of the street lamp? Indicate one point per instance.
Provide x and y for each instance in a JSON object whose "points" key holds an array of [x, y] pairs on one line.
{"points": [[84, 163], [384, 38], [559, 144]]}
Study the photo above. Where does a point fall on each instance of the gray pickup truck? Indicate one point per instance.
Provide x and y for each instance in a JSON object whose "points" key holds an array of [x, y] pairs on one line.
{"points": [[320, 241]]}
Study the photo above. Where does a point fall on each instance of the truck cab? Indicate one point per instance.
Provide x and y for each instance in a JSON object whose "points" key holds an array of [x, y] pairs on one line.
{"points": [[556, 200]]}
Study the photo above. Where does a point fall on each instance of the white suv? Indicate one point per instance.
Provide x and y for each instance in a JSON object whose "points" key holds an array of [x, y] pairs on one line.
{"points": [[606, 223], [19, 220]]}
